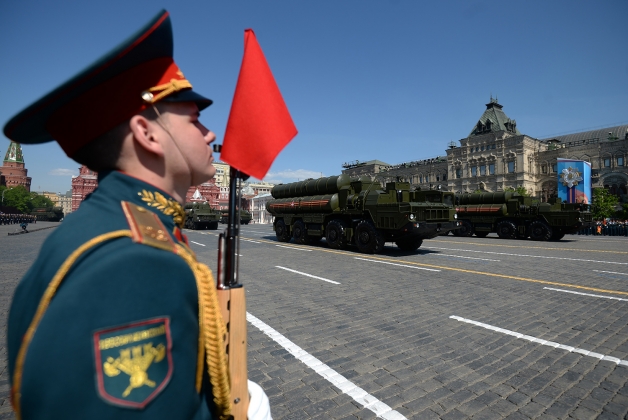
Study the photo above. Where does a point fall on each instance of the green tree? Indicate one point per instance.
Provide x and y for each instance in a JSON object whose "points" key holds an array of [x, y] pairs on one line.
{"points": [[603, 203], [519, 190], [623, 213], [18, 197], [40, 201]]}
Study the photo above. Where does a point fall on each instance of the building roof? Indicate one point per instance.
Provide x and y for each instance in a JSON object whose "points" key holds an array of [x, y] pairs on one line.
{"points": [[616, 133], [14, 153], [494, 120]]}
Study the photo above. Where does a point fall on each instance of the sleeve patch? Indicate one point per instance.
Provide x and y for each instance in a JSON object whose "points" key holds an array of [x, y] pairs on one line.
{"points": [[133, 362]]}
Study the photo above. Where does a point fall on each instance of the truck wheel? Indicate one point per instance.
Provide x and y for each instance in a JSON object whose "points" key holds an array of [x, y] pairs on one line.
{"points": [[299, 233], [281, 230], [465, 229], [481, 234], [212, 226], [539, 231], [506, 230], [335, 234], [557, 236], [367, 238], [409, 244]]}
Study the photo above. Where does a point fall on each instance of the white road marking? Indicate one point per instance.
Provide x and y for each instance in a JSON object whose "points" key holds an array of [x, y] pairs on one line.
{"points": [[399, 265], [359, 395], [297, 249], [305, 274], [530, 256], [610, 272], [197, 243], [543, 342], [585, 294], [460, 256], [249, 240]]}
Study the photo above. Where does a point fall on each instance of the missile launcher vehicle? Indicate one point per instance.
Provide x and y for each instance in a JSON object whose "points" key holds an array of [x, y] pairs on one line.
{"points": [[201, 216], [512, 215], [48, 214], [359, 212], [245, 217]]}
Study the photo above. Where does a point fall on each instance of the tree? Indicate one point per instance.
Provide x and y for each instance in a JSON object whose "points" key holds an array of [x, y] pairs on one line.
{"points": [[623, 213], [19, 198], [519, 190], [40, 201], [603, 203]]}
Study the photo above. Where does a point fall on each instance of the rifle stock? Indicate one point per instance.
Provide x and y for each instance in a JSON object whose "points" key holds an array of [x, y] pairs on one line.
{"points": [[232, 301]]}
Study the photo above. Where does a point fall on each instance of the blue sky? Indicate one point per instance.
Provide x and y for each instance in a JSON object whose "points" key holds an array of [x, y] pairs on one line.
{"points": [[392, 80]]}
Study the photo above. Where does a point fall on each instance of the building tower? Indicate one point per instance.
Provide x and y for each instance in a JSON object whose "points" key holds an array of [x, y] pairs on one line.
{"points": [[13, 173], [83, 185]]}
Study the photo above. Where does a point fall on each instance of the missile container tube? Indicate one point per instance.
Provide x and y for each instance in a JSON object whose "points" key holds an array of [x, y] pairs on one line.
{"points": [[512, 216], [359, 212], [201, 216]]}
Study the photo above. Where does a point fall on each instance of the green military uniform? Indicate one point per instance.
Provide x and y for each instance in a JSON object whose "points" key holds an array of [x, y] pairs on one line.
{"points": [[116, 319]]}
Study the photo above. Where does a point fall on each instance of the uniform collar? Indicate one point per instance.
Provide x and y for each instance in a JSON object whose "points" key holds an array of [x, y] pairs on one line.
{"points": [[127, 188]]}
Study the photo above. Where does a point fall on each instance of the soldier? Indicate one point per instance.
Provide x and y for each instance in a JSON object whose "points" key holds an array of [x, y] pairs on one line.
{"points": [[117, 319]]}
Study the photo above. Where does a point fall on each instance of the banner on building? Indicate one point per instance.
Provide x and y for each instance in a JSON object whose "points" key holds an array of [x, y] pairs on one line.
{"points": [[574, 181]]}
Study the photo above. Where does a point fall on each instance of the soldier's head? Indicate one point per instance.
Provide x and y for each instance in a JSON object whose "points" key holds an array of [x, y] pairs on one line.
{"points": [[132, 108]]}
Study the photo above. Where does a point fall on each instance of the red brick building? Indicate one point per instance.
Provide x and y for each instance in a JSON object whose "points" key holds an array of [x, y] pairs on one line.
{"points": [[207, 191], [82, 185], [13, 173]]}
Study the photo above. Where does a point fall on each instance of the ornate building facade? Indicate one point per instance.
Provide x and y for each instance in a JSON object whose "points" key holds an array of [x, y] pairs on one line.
{"points": [[496, 156], [82, 185], [13, 171]]}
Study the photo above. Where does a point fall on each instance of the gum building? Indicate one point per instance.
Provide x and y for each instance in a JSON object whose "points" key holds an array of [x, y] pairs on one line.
{"points": [[13, 172], [496, 156]]}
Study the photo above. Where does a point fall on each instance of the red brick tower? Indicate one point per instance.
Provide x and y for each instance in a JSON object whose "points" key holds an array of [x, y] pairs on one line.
{"points": [[82, 185], [13, 172]]}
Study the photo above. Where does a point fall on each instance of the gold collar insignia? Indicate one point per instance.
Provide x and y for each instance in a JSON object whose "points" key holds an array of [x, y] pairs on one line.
{"points": [[167, 206]]}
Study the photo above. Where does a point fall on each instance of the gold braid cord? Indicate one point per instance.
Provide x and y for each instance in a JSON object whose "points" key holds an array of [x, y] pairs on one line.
{"points": [[43, 305], [213, 331]]}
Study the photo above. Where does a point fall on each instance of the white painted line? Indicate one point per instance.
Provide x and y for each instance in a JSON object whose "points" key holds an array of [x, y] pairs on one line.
{"points": [[399, 265], [530, 256], [297, 249], [586, 294], [543, 342], [249, 240], [359, 395], [460, 256], [197, 243], [610, 272], [305, 274]]}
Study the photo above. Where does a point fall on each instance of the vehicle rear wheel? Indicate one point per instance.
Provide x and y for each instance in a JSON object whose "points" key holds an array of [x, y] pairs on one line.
{"points": [[212, 225], [299, 234], [281, 230], [367, 238], [466, 229], [409, 244], [335, 234], [506, 230], [481, 234], [557, 236], [539, 231]]}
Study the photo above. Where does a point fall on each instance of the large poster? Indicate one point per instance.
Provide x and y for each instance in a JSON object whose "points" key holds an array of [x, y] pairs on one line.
{"points": [[574, 181]]}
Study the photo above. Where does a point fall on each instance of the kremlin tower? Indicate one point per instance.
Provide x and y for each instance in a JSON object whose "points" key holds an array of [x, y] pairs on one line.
{"points": [[12, 172]]}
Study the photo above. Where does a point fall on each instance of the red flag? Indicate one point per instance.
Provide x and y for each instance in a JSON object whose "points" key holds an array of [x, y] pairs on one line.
{"points": [[259, 125]]}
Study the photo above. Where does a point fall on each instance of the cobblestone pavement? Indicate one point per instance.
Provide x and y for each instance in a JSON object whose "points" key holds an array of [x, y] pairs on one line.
{"points": [[463, 328]]}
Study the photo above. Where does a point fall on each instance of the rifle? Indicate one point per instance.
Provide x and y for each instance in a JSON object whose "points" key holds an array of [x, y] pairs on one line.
{"points": [[232, 301]]}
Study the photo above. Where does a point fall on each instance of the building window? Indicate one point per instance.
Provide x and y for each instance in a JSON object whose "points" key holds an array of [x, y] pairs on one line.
{"points": [[620, 161], [493, 146], [543, 169], [458, 172], [482, 148], [607, 162], [474, 171], [511, 167], [420, 179], [482, 169], [491, 169], [555, 168], [437, 178], [444, 177]]}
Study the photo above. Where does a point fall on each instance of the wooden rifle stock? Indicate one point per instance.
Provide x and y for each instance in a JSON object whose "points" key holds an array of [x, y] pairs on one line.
{"points": [[232, 300]]}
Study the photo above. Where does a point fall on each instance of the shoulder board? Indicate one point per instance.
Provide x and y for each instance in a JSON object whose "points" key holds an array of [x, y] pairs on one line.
{"points": [[146, 228]]}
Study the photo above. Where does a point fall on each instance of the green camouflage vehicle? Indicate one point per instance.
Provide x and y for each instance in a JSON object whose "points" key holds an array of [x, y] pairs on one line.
{"points": [[357, 211], [245, 217], [201, 216], [47, 214], [511, 215]]}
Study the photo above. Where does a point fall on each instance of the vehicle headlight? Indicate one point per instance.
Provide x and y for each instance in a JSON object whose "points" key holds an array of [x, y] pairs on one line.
{"points": [[455, 215], [412, 216]]}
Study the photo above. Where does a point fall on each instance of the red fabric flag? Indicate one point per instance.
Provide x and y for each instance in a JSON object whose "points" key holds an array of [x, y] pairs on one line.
{"points": [[259, 124]]}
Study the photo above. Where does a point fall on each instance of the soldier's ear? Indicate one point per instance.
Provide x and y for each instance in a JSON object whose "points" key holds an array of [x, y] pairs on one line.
{"points": [[146, 134]]}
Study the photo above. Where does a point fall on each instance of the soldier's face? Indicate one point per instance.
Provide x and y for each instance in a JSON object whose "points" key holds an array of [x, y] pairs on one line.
{"points": [[192, 153]]}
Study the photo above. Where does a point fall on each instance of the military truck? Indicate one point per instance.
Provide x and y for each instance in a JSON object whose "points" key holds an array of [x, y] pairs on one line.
{"points": [[245, 217], [358, 211], [201, 216], [512, 215], [47, 214]]}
